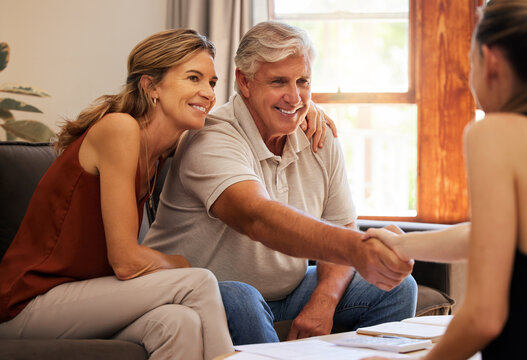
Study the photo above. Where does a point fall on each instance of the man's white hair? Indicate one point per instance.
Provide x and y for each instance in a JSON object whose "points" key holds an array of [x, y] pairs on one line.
{"points": [[270, 41]]}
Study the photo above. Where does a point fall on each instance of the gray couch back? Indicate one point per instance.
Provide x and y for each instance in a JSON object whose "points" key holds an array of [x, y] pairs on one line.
{"points": [[22, 164]]}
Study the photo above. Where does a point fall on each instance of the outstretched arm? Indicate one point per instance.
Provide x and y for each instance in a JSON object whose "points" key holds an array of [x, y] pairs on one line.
{"points": [[446, 245], [247, 208]]}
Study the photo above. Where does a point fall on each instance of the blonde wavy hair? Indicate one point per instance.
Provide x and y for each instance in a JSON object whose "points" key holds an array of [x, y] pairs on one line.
{"points": [[153, 56]]}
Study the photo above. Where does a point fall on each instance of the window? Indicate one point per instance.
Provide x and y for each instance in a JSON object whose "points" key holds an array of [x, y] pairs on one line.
{"points": [[367, 35], [393, 74], [362, 78]]}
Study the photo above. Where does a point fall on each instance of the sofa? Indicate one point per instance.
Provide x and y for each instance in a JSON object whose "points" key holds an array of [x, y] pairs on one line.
{"points": [[22, 165]]}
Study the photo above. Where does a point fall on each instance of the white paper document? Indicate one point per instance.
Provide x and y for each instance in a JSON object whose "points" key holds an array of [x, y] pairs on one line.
{"points": [[308, 350], [385, 343], [406, 329], [438, 320]]}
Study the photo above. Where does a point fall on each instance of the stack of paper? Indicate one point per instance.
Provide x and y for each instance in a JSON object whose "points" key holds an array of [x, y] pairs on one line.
{"points": [[386, 343], [438, 320], [410, 330]]}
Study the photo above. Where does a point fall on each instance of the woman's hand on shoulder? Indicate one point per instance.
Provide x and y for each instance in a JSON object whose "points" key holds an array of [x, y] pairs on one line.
{"points": [[315, 125]]}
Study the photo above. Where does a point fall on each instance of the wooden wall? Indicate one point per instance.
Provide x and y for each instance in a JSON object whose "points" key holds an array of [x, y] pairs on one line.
{"points": [[446, 106]]}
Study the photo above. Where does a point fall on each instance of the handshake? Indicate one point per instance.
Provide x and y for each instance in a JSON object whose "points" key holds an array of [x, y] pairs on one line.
{"points": [[379, 260], [396, 251]]}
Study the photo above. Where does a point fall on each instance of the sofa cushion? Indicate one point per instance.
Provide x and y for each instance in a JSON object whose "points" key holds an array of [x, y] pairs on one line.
{"points": [[432, 302], [22, 164]]}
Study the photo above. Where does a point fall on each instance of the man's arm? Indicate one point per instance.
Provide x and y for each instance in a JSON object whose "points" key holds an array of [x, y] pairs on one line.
{"points": [[247, 208]]}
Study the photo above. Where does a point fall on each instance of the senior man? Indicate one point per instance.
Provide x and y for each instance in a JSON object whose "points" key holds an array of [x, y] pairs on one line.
{"points": [[248, 198]]}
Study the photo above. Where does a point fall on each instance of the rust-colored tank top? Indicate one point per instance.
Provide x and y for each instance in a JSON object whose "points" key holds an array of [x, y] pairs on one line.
{"points": [[61, 238]]}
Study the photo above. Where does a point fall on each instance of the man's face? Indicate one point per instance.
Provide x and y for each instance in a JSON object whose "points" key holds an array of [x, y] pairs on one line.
{"points": [[278, 95]]}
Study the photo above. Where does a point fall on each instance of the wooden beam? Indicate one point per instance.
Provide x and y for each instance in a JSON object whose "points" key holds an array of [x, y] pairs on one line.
{"points": [[445, 107]]}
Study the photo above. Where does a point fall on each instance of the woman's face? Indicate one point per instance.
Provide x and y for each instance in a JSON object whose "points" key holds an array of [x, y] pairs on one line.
{"points": [[185, 95]]}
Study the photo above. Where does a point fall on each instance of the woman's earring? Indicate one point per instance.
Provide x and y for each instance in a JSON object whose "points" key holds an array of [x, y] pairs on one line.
{"points": [[155, 101]]}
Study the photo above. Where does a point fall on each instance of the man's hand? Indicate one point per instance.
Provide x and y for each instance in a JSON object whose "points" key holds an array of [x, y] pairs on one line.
{"points": [[315, 319], [380, 266], [315, 125]]}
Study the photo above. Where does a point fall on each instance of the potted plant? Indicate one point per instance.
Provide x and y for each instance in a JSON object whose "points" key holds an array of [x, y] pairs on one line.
{"points": [[30, 130]]}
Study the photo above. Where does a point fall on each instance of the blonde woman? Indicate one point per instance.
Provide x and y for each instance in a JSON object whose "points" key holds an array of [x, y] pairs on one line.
{"points": [[75, 268], [493, 316]]}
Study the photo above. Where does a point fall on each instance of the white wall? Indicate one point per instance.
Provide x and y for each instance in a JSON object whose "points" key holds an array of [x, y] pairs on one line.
{"points": [[76, 50]]}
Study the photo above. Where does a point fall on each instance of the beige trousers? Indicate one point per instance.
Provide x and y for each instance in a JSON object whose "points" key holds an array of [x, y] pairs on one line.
{"points": [[174, 314]]}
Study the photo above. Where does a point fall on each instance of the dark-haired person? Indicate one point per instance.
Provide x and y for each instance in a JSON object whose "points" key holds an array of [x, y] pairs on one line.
{"points": [[493, 315]]}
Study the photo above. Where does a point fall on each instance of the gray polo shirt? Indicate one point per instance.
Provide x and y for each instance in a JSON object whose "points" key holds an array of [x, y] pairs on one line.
{"points": [[229, 149]]}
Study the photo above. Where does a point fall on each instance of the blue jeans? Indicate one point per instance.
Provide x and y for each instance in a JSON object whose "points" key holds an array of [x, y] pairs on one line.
{"points": [[250, 317]]}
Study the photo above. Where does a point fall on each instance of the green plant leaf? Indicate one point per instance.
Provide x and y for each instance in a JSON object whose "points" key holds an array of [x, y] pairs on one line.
{"points": [[12, 104], [23, 89], [6, 114], [8, 135], [4, 55], [29, 130]]}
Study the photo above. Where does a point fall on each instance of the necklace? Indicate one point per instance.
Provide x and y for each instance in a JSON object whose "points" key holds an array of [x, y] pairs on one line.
{"points": [[150, 188]]}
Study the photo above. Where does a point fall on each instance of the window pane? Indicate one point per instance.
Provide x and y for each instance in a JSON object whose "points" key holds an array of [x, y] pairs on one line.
{"points": [[380, 148], [328, 6], [359, 56]]}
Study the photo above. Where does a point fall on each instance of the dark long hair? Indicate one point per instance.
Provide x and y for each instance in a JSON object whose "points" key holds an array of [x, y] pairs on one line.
{"points": [[504, 24]]}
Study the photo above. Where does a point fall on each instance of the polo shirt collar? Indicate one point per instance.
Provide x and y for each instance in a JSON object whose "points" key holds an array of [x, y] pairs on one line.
{"points": [[295, 142]]}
